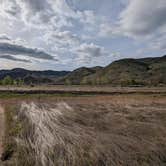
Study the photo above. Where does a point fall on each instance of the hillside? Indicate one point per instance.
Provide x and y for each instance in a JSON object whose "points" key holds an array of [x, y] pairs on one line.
{"points": [[36, 77], [77, 76], [124, 72]]}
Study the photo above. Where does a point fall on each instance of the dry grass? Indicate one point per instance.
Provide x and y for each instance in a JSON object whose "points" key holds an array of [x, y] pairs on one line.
{"points": [[77, 90], [96, 131]]}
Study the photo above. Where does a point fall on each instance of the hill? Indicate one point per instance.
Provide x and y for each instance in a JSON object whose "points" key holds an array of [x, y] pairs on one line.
{"points": [[77, 76], [35, 77], [124, 72]]}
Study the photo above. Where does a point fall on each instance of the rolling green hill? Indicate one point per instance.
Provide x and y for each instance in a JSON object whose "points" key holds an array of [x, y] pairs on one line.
{"points": [[77, 76], [125, 72]]}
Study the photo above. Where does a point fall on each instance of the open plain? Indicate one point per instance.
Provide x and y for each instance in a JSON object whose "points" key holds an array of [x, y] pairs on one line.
{"points": [[122, 129]]}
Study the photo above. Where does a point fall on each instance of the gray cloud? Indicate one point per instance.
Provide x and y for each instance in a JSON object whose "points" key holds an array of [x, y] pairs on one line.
{"points": [[35, 10], [13, 49], [4, 37], [62, 38], [87, 52], [142, 17], [47, 13], [9, 57], [10, 7], [91, 49]]}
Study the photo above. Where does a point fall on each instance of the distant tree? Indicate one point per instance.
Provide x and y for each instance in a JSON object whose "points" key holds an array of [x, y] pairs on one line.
{"points": [[97, 81], [20, 82], [7, 81], [14, 82], [67, 82], [84, 81], [92, 82], [104, 80]]}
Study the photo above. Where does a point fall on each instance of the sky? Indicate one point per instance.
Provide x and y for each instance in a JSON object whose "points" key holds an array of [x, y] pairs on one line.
{"points": [[67, 34]]}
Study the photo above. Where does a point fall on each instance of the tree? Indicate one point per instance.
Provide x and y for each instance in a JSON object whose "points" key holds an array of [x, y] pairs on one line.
{"points": [[20, 82], [67, 82], [84, 81], [7, 81]]}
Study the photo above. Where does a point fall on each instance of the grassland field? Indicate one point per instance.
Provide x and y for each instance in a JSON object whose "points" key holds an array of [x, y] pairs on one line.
{"points": [[125, 127]]}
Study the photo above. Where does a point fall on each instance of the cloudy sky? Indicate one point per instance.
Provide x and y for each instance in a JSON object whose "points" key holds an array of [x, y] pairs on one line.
{"points": [[67, 34]]}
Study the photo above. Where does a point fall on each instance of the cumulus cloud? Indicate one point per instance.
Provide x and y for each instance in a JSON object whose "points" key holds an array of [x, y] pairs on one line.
{"points": [[87, 52], [142, 17], [47, 13], [35, 11], [4, 37], [12, 58], [64, 27], [106, 30], [62, 37], [9, 8], [14, 49]]}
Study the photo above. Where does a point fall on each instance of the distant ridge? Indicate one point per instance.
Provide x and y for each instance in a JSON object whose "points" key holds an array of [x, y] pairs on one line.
{"points": [[35, 77], [124, 72]]}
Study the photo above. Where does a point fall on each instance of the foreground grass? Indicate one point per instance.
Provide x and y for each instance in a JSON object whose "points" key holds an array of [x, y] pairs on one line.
{"points": [[13, 128], [91, 133]]}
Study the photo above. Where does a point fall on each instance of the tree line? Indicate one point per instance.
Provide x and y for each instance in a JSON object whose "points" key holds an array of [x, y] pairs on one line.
{"points": [[8, 80]]}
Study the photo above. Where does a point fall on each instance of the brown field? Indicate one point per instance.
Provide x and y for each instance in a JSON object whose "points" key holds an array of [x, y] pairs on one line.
{"points": [[83, 89], [101, 130]]}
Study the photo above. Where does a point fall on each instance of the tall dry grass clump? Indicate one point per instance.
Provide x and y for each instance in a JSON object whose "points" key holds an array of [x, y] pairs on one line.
{"points": [[53, 137]]}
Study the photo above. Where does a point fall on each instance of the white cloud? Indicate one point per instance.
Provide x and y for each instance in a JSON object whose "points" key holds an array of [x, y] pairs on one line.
{"points": [[62, 37], [4, 37], [48, 13], [9, 8], [142, 18], [106, 30], [87, 52]]}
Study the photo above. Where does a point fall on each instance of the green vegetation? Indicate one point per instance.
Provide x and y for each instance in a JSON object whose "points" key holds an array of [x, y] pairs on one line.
{"points": [[77, 76], [131, 82], [67, 82], [8, 95], [9, 81], [13, 129], [125, 72]]}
